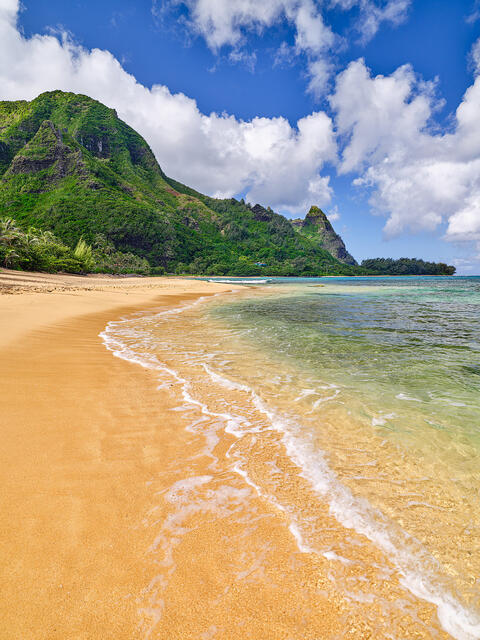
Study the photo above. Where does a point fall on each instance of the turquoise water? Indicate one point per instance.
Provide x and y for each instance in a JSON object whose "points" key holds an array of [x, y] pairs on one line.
{"points": [[384, 375], [402, 344], [370, 389]]}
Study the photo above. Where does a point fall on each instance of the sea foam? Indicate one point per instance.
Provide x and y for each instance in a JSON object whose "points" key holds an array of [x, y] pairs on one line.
{"points": [[419, 571], [239, 281]]}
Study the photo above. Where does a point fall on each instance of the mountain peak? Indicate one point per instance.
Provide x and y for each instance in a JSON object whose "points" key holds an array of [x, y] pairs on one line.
{"points": [[317, 226], [316, 217], [70, 165]]}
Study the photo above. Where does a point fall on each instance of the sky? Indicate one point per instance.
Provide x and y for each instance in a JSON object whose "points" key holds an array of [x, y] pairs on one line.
{"points": [[366, 108]]}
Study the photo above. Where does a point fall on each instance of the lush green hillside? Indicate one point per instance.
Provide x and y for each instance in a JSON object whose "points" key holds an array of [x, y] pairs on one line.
{"points": [[68, 164]]}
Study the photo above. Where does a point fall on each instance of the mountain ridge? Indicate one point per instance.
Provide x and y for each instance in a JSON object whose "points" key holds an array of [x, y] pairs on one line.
{"points": [[70, 165]]}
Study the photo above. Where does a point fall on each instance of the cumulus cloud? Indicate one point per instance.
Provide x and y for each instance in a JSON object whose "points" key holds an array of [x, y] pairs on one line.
{"points": [[319, 72], [223, 23], [267, 158], [379, 116], [312, 34], [420, 178], [464, 224]]}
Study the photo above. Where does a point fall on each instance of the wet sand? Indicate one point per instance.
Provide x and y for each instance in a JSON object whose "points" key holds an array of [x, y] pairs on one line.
{"points": [[100, 535]]}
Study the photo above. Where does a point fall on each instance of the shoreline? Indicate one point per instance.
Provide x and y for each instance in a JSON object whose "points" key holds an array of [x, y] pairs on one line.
{"points": [[108, 525], [29, 300]]}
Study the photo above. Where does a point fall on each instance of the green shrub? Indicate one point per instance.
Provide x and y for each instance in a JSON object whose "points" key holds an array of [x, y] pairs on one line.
{"points": [[157, 271], [108, 260], [39, 251], [83, 253]]}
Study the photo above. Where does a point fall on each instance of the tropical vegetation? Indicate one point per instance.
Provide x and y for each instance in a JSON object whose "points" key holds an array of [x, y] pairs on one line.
{"points": [[38, 250], [407, 267], [71, 169]]}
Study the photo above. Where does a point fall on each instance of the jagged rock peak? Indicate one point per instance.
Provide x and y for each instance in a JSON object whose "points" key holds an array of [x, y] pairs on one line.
{"points": [[316, 217], [318, 225]]}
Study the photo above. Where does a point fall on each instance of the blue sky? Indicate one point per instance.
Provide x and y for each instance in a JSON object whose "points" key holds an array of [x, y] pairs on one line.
{"points": [[381, 148], [435, 38]]}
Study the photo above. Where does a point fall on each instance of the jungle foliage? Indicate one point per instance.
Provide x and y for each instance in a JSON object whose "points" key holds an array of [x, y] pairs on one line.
{"points": [[408, 267], [69, 166], [38, 250]]}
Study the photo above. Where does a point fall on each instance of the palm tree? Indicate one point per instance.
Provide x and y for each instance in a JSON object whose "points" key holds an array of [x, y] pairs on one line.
{"points": [[46, 237], [9, 232], [30, 239], [83, 252]]}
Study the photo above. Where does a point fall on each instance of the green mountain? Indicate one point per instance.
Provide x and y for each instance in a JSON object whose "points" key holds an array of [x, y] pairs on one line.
{"points": [[69, 165], [318, 228]]}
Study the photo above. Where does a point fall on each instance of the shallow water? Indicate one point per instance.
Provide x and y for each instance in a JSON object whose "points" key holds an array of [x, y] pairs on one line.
{"points": [[355, 406]]}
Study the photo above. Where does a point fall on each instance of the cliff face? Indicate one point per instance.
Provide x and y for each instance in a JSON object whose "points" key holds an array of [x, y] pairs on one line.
{"points": [[317, 226], [70, 165]]}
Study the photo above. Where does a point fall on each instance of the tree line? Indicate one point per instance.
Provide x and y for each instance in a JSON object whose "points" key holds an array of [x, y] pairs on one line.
{"points": [[407, 267]]}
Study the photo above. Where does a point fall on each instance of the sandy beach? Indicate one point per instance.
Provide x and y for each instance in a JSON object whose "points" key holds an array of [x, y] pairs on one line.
{"points": [[101, 534], [79, 442]]}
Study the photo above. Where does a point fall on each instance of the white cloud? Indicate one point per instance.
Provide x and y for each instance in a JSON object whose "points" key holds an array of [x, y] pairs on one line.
{"points": [[312, 34], [372, 16], [223, 23], [240, 56], [379, 116], [333, 215], [275, 163], [226, 23], [319, 71], [464, 224], [475, 56], [475, 13], [373, 13], [467, 265], [418, 177]]}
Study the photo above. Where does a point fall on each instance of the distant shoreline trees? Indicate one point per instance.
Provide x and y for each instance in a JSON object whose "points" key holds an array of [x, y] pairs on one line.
{"points": [[408, 267]]}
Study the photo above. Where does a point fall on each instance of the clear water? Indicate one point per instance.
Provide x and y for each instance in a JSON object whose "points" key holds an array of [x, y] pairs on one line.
{"points": [[408, 347], [372, 387]]}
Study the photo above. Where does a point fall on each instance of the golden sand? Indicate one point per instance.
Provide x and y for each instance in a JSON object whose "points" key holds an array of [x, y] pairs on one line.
{"points": [[100, 539]]}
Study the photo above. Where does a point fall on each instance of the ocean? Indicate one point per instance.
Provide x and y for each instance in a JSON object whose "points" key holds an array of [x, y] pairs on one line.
{"points": [[353, 405]]}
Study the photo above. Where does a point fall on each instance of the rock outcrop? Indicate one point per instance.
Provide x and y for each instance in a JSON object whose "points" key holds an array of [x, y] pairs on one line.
{"points": [[317, 225], [262, 214], [46, 151]]}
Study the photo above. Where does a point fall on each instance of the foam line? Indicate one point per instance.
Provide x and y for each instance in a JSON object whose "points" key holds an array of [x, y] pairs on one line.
{"points": [[418, 569]]}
